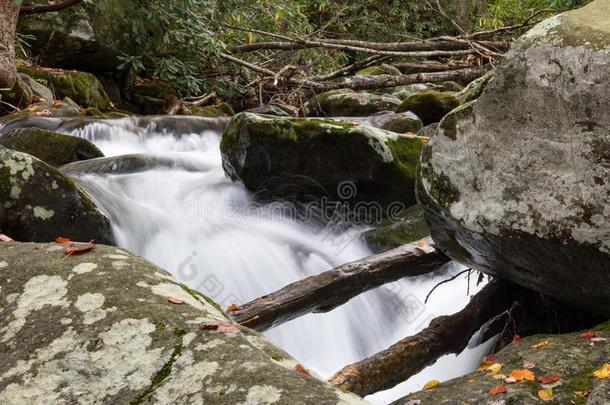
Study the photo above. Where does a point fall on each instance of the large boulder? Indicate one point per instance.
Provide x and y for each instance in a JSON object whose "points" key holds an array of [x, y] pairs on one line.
{"points": [[39, 203], [563, 364], [300, 157], [517, 183], [82, 87], [347, 103], [50, 147], [109, 327], [431, 105], [44, 109]]}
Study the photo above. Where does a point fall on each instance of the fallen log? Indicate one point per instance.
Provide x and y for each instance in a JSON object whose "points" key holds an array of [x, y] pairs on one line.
{"points": [[446, 334], [328, 290]]}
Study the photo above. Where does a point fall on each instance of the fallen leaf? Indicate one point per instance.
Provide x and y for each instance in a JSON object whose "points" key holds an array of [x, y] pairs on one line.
{"points": [[4, 238], [548, 379], [516, 339], [545, 395], [232, 307], [431, 384], [61, 239], [174, 300], [499, 376], [524, 374], [500, 389], [540, 345], [588, 335], [528, 364], [56, 103], [300, 369], [414, 402], [490, 357], [74, 249], [221, 327], [421, 243], [603, 372], [485, 365], [494, 368], [510, 380]]}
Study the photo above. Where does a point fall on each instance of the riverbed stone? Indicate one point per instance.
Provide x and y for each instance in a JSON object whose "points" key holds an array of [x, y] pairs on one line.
{"points": [[39, 203], [100, 328], [516, 183], [397, 122], [430, 105], [347, 103]]}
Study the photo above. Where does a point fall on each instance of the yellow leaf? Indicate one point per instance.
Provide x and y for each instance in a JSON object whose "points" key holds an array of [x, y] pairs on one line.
{"points": [[545, 395], [540, 345], [485, 365], [494, 368], [431, 384], [250, 37], [278, 15], [603, 372]]}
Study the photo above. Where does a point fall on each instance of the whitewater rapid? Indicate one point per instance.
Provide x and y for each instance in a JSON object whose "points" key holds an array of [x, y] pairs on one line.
{"points": [[208, 231]]}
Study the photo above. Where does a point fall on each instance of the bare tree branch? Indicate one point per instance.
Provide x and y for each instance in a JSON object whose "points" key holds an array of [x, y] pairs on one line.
{"points": [[47, 8]]}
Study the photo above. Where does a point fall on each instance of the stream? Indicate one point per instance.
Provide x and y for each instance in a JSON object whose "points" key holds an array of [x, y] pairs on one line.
{"points": [[193, 221]]}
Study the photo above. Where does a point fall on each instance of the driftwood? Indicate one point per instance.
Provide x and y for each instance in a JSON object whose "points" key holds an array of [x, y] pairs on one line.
{"points": [[328, 290], [446, 334]]}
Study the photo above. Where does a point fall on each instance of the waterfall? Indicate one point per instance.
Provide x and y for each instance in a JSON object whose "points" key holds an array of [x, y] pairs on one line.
{"points": [[193, 221]]}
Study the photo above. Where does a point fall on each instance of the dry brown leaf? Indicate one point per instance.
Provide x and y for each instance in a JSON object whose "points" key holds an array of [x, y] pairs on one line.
{"points": [[548, 379], [540, 345], [223, 327], [500, 389], [61, 239], [76, 249], [302, 370]]}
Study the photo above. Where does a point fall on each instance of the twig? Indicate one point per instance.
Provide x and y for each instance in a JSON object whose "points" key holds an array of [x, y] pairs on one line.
{"points": [[444, 282]]}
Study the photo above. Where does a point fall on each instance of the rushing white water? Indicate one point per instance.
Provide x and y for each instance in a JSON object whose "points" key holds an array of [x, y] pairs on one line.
{"points": [[206, 230]]}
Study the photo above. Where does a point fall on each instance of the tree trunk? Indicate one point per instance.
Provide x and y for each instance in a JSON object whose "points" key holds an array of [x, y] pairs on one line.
{"points": [[446, 334], [335, 287], [9, 11]]}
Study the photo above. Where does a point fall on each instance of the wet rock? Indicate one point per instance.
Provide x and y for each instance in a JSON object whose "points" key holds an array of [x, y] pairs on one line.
{"points": [[84, 88], [215, 110], [313, 158], [278, 110], [347, 103], [516, 183], [50, 147], [124, 164], [571, 357], [39, 203], [405, 227], [98, 328], [430, 106], [397, 122]]}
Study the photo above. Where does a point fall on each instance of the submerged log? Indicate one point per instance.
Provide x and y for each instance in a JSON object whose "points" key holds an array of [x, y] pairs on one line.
{"points": [[328, 290], [446, 334]]}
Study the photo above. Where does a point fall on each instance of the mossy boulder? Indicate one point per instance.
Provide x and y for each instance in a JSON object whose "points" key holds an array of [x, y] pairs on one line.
{"points": [[39, 203], [45, 109], [430, 106], [516, 183], [99, 328], [50, 147], [397, 122], [276, 109], [305, 158], [400, 229], [475, 88], [342, 103], [379, 70], [215, 110], [572, 358], [82, 87]]}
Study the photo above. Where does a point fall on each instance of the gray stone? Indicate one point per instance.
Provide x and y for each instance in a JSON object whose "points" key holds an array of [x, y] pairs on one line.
{"points": [[37, 89], [397, 122], [98, 328]]}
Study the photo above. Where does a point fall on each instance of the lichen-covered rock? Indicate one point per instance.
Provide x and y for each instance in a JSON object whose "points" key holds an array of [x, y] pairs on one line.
{"points": [[38, 203], [50, 147], [300, 157], [517, 182], [82, 87], [407, 226], [430, 106], [572, 358], [347, 103], [397, 122], [99, 328], [383, 69]]}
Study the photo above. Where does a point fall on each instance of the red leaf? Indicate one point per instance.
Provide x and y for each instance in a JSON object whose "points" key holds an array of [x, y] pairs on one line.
{"points": [[516, 339], [4, 238], [300, 369], [500, 389], [548, 379], [174, 300], [223, 327], [61, 239], [74, 249], [588, 335]]}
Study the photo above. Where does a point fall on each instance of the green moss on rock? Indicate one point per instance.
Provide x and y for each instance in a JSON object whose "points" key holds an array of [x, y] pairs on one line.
{"points": [[380, 70], [430, 106], [406, 227]]}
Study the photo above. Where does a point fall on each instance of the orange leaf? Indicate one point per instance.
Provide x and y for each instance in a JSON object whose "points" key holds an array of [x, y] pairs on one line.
{"points": [[431, 384], [61, 239], [548, 379], [73, 249], [232, 307], [524, 374], [545, 395], [421, 243], [540, 345], [223, 327], [174, 300], [588, 335], [603, 372], [500, 389], [300, 369]]}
